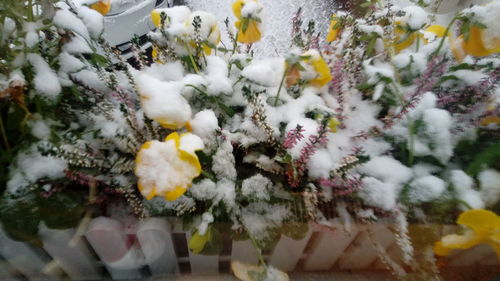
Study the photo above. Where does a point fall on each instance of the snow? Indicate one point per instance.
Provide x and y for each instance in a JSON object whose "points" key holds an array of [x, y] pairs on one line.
{"points": [[162, 101], [379, 194], [320, 164], [33, 166], [226, 193], [204, 124], [204, 190], [223, 162], [46, 81], [258, 217], [171, 71], [9, 26], [264, 72], [251, 9], [40, 129], [425, 189], [371, 29], [32, 37], [257, 186], [67, 20], [77, 45], [93, 21], [490, 186], [437, 126], [91, 79], [216, 75], [69, 63], [415, 17], [386, 169], [206, 219], [464, 187]]}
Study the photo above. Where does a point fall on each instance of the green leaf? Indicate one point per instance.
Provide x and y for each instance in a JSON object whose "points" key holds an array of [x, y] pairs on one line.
{"points": [[62, 209], [485, 159]]}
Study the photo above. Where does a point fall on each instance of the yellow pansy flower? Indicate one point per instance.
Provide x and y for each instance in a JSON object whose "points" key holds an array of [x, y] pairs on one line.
{"points": [[168, 168], [248, 23], [332, 31], [484, 227], [317, 71], [102, 6]]}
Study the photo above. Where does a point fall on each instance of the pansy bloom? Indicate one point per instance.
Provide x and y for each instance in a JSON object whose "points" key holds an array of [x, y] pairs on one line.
{"points": [[168, 168], [310, 68], [249, 19]]}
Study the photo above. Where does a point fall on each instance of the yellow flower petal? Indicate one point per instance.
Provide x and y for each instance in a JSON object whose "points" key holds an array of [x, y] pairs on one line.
{"points": [[490, 120], [156, 17], [438, 30], [174, 194], [102, 6], [333, 123], [457, 48], [251, 34], [332, 32], [403, 39], [474, 45], [323, 70], [175, 137], [479, 220], [198, 242], [237, 6]]}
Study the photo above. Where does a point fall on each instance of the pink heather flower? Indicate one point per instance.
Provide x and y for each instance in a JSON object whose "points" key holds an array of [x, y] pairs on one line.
{"points": [[293, 137]]}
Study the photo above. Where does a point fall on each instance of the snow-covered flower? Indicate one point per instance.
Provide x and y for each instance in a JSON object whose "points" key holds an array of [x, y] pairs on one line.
{"points": [[311, 68], [208, 30], [484, 227], [103, 6], [168, 168], [248, 13], [480, 41]]}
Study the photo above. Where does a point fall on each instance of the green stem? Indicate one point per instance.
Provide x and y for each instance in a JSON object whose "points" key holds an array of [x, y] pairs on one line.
{"points": [[281, 85], [441, 43], [418, 43], [259, 251], [30, 10], [195, 66], [4, 135], [235, 43]]}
